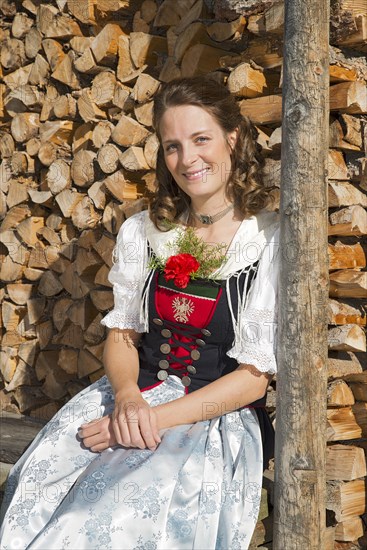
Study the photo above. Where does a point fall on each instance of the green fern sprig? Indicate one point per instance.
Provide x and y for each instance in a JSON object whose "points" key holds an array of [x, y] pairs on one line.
{"points": [[209, 256]]}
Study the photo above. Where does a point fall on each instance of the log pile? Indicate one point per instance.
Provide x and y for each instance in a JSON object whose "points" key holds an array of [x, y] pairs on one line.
{"points": [[78, 152]]}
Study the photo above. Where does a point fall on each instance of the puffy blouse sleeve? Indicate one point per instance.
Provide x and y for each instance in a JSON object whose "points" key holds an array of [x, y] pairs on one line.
{"points": [[256, 334], [127, 275]]}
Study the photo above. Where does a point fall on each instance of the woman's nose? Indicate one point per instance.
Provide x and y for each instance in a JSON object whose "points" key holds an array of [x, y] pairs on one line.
{"points": [[188, 155]]}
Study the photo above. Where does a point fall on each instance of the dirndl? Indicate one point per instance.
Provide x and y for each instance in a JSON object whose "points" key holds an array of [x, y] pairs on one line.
{"points": [[200, 489]]}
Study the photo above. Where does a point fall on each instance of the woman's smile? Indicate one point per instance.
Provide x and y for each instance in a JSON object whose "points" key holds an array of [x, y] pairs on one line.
{"points": [[197, 151]]}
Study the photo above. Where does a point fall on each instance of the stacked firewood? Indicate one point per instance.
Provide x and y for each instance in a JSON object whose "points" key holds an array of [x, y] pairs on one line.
{"points": [[78, 152]]}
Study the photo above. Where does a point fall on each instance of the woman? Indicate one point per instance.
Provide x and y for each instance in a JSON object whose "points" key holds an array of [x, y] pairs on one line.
{"points": [[175, 435]]}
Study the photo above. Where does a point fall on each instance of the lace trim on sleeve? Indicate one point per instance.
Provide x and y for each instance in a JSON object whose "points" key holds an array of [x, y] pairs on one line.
{"points": [[117, 319], [264, 362], [266, 315]]}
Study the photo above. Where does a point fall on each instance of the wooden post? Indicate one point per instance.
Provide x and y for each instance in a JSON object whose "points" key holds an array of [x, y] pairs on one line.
{"points": [[300, 448]]}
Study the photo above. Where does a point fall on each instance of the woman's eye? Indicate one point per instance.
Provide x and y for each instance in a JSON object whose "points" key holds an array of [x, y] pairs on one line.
{"points": [[171, 147], [202, 139]]}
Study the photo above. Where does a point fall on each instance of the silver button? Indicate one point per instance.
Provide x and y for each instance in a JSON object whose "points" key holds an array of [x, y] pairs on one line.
{"points": [[165, 348], [163, 363], [186, 380], [195, 354], [166, 333], [200, 342], [206, 332], [162, 374], [157, 321], [191, 369]]}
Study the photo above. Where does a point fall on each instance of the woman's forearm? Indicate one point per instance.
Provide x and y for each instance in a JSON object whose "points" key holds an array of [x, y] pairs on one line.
{"points": [[121, 361], [228, 393]]}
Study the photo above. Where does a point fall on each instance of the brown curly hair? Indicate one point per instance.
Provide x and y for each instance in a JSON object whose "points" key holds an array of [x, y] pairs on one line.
{"points": [[245, 186]]}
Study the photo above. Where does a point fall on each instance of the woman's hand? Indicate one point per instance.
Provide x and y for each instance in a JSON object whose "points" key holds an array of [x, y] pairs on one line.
{"points": [[132, 424], [135, 423]]}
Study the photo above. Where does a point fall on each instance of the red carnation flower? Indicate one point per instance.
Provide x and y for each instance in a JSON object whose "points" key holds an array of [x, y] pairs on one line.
{"points": [[180, 268]]}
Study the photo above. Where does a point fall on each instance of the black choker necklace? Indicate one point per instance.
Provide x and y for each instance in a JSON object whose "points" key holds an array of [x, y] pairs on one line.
{"points": [[209, 220]]}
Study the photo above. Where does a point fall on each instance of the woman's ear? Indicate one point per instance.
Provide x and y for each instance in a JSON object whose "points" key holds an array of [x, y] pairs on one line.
{"points": [[232, 138]]}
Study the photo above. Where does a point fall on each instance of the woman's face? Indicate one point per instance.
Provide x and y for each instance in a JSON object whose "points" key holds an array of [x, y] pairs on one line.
{"points": [[196, 151]]}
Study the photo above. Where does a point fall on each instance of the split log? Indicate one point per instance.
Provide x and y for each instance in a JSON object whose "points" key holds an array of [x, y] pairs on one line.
{"points": [[22, 163], [98, 194], [338, 368], [360, 411], [244, 81], [68, 360], [339, 394], [342, 314], [171, 14], [129, 132], [346, 499], [223, 30], [102, 133], [88, 109], [347, 338], [66, 73], [108, 158], [87, 363], [263, 110], [170, 70], [58, 132], [95, 332], [102, 299], [201, 59], [349, 530], [348, 221], [119, 187], [84, 215], [336, 137], [17, 194], [12, 54], [151, 150], [7, 145], [87, 64], [349, 97], [65, 107], [54, 52], [19, 293], [122, 98], [144, 113], [49, 284], [359, 390], [144, 48], [67, 201], [103, 89], [145, 88], [104, 247], [105, 45], [133, 159], [148, 10], [58, 176], [337, 169], [344, 256], [348, 284], [342, 193], [83, 11], [125, 64], [342, 425], [32, 43], [47, 154], [40, 71], [82, 168], [25, 126], [53, 25]]}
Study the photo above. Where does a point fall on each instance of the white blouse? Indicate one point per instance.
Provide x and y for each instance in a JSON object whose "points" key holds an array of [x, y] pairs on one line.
{"points": [[255, 324]]}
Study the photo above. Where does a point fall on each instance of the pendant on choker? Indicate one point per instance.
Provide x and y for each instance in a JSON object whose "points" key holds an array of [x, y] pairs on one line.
{"points": [[206, 219]]}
